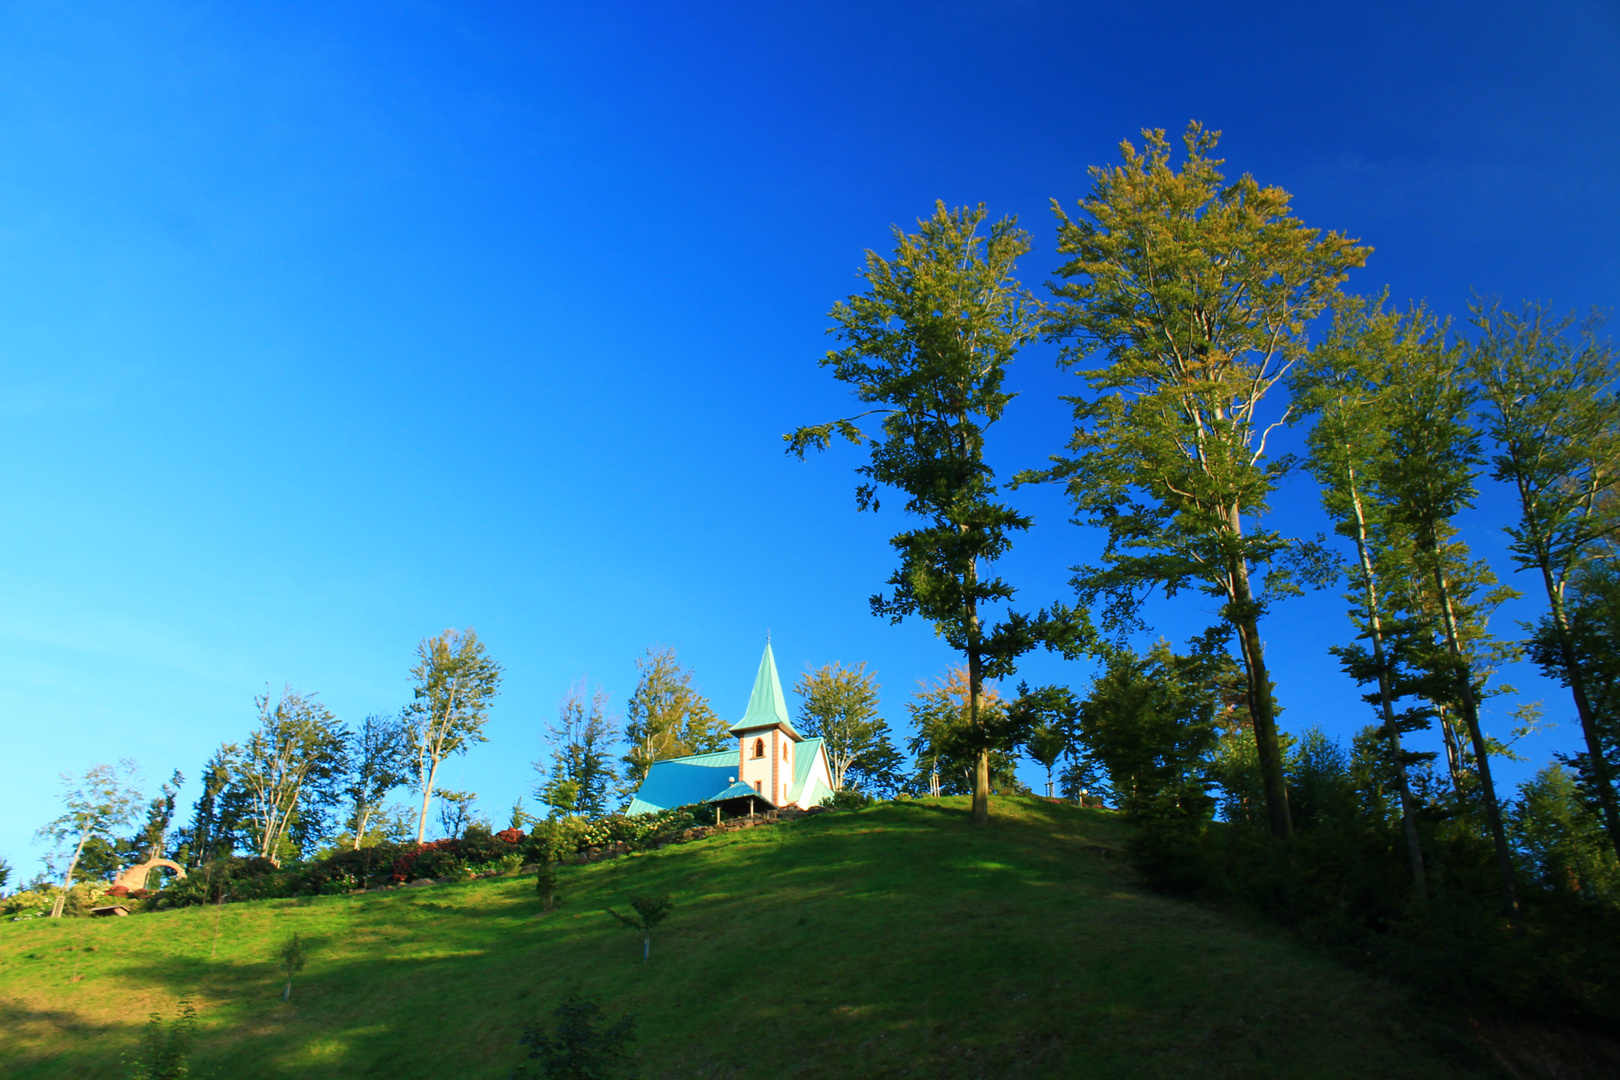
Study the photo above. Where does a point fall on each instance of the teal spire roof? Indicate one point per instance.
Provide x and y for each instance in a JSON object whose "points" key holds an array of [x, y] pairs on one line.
{"points": [[767, 706]]}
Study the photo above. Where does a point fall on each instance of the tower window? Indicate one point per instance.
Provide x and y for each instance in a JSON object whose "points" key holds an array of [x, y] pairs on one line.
{"points": [[759, 747]]}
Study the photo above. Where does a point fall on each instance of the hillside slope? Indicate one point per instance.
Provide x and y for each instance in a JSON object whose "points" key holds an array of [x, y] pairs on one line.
{"points": [[894, 942]]}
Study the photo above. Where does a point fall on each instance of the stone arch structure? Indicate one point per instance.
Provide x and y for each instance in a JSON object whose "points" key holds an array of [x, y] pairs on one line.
{"points": [[134, 877]]}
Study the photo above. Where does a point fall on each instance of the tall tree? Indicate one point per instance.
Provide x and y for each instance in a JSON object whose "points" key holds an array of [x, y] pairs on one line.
{"points": [[580, 775], [1555, 419], [667, 717], [455, 681], [1195, 294], [289, 767], [928, 345], [839, 705], [216, 817], [1428, 477], [1343, 384], [95, 806], [380, 762]]}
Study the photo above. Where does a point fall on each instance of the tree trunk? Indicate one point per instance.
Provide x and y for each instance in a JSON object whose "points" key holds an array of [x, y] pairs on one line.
{"points": [[67, 879], [1454, 763], [1414, 850], [1244, 618], [427, 794], [981, 768], [1482, 764], [359, 833], [1583, 708]]}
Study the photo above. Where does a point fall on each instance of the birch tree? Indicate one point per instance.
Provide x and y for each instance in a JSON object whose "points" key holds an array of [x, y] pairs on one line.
{"points": [[288, 766], [927, 346], [96, 805], [1553, 414], [1194, 295], [455, 682]]}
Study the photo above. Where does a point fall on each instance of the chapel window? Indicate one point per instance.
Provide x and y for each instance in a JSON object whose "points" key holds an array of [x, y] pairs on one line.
{"points": [[759, 747]]}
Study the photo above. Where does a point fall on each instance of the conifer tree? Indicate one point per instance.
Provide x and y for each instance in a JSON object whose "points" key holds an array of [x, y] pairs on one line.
{"points": [[1194, 295], [927, 346], [580, 774]]}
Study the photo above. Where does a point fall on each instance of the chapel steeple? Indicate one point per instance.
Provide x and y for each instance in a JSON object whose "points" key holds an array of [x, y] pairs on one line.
{"points": [[767, 705]]}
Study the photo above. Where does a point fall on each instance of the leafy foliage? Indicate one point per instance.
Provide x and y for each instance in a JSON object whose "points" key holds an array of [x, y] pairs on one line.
{"points": [[165, 1050], [840, 705], [581, 772], [928, 345], [1196, 293], [582, 1046], [455, 682], [667, 717]]}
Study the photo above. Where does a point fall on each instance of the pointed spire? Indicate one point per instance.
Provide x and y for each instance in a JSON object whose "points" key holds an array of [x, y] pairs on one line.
{"points": [[767, 705]]}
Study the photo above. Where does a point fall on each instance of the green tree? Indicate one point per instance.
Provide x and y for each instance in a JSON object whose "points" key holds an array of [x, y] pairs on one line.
{"points": [[1555, 419], [455, 681], [928, 345], [667, 717], [839, 705], [1592, 640], [580, 775], [292, 956], [1050, 716], [1195, 294], [1150, 721], [381, 761], [945, 746], [5, 875], [584, 1046], [1343, 384], [1427, 478], [1561, 845], [649, 912], [165, 1050], [289, 769], [96, 805], [216, 817], [151, 840], [456, 811]]}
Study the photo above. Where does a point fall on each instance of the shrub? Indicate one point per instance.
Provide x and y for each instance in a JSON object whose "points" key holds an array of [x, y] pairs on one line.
{"points": [[849, 799], [165, 1053], [583, 1046]]}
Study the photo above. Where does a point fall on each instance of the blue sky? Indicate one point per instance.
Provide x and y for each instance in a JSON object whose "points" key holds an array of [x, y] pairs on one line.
{"points": [[323, 328]]}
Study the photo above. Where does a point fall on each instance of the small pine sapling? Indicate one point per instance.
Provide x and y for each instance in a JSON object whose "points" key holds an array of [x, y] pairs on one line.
{"points": [[650, 911], [583, 1046], [293, 958]]}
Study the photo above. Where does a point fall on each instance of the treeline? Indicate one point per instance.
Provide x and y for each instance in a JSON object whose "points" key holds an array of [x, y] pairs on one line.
{"points": [[1200, 318]]}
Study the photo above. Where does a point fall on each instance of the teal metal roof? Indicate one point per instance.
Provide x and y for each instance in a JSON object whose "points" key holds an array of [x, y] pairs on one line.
{"points": [[767, 706], [684, 781], [740, 790], [804, 756]]}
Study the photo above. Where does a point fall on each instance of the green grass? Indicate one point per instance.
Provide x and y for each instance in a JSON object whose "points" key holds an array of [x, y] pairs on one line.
{"points": [[895, 942]]}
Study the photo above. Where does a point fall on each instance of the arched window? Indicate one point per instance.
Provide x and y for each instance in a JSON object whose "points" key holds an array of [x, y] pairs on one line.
{"points": [[759, 747], [784, 750], [759, 786]]}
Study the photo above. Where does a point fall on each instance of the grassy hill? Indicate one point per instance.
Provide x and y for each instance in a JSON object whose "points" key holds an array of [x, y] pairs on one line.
{"points": [[894, 942]]}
